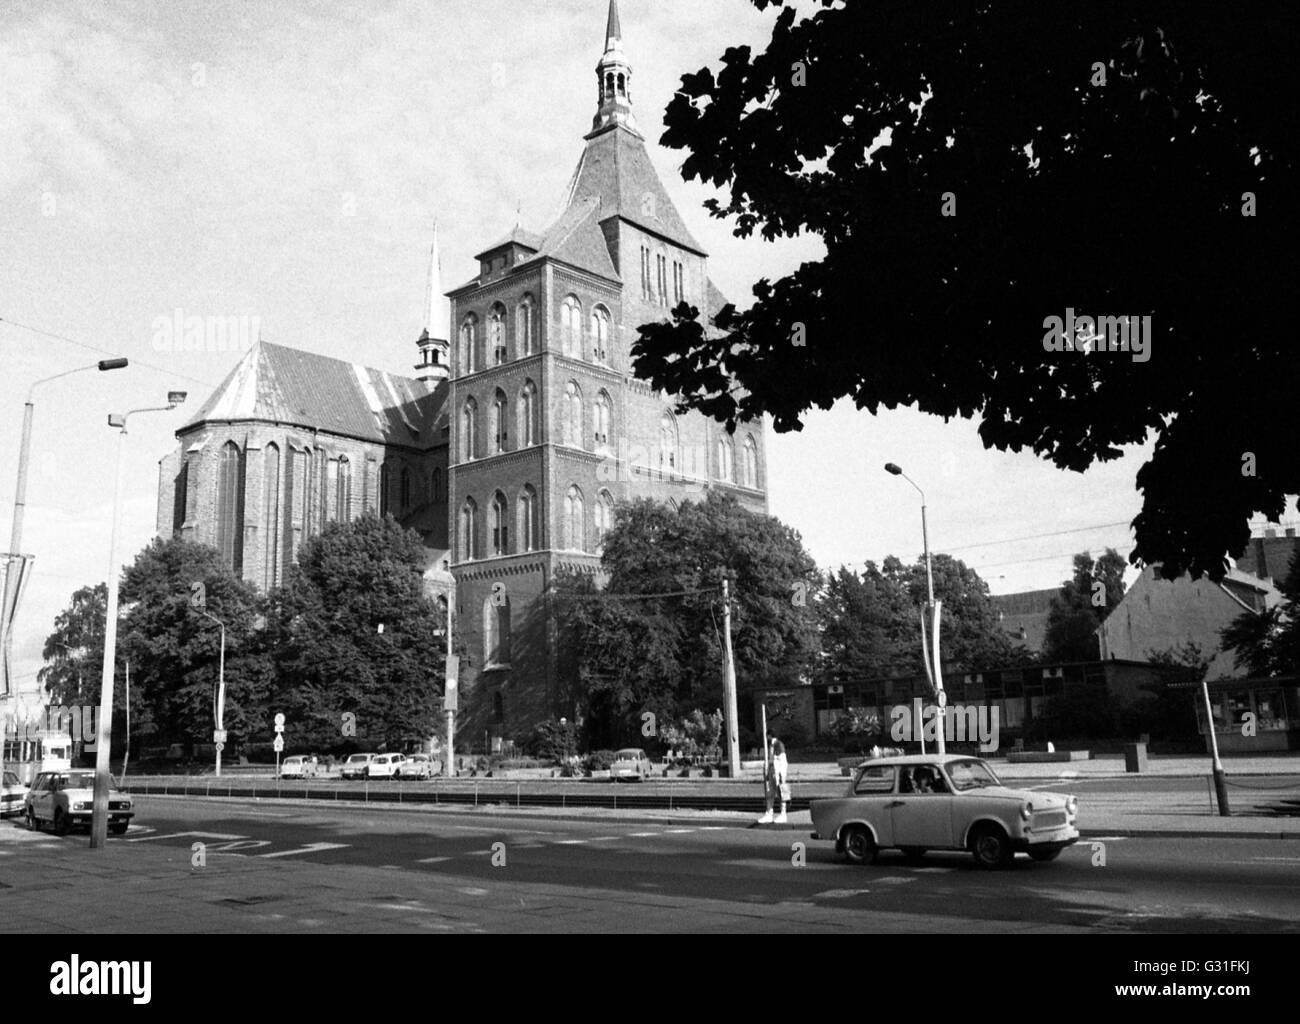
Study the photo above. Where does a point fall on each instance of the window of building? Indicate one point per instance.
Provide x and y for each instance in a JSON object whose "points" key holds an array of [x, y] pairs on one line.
{"points": [[497, 334], [499, 525], [571, 326], [749, 465], [271, 516], [528, 414], [435, 485], [343, 491], [468, 429], [496, 633], [524, 327], [726, 458], [661, 268], [468, 530], [528, 519], [600, 335], [573, 414], [230, 507], [574, 520], [469, 345], [667, 443], [604, 518], [497, 429], [601, 416], [384, 486], [679, 282], [645, 273]]}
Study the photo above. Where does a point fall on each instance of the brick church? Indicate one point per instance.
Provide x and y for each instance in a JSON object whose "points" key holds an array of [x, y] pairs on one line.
{"points": [[511, 445]]}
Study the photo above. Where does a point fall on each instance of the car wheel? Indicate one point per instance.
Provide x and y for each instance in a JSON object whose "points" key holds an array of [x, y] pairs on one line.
{"points": [[991, 847], [1044, 855], [33, 822], [914, 852], [859, 846], [61, 823]]}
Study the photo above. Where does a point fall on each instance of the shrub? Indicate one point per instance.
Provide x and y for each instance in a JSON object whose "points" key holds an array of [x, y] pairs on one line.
{"points": [[599, 760], [553, 742]]}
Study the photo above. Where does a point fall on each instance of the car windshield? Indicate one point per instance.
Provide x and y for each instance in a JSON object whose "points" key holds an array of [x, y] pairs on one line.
{"points": [[971, 775], [356, 758], [10, 779], [79, 780]]}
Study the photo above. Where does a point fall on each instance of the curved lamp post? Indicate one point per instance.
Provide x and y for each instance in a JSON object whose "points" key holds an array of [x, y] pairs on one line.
{"points": [[930, 646]]}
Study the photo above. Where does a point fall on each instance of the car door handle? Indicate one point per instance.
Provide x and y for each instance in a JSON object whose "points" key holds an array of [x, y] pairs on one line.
{"points": [[896, 803]]}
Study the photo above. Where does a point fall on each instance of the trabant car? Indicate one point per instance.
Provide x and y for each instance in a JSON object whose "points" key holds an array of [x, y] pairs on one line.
{"points": [[943, 802]]}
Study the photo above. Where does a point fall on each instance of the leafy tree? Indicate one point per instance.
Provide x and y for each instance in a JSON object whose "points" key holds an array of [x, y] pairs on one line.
{"points": [[625, 654], [74, 652], [1163, 712], [175, 652], [1039, 157], [357, 634], [1083, 604]]}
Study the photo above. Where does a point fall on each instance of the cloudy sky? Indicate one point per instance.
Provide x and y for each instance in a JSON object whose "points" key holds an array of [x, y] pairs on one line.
{"points": [[287, 161]]}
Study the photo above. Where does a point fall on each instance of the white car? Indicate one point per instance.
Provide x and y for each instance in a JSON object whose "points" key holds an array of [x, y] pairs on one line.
{"points": [[12, 795], [386, 766], [943, 802], [416, 766], [356, 766], [299, 766], [630, 763], [66, 800]]}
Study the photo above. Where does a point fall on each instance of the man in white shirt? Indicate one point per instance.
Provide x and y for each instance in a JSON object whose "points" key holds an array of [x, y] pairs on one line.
{"points": [[776, 784]]}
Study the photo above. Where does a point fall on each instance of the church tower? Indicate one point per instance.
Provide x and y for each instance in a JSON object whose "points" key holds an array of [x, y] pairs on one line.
{"points": [[435, 339], [613, 79]]}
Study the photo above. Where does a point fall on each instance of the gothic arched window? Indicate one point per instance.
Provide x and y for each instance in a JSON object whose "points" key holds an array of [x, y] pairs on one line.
{"points": [[528, 414], [600, 335], [574, 520], [468, 429], [230, 507], [524, 327], [571, 326], [405, 486], [667, 443], [499, 525], [749, 462], [528, 532], [469, 344], [468, 530], [271, 516], [601, 412], [385, 484], [726, 458], [496, 630], [435, 484], [497, 432], [343, 491], [604, 518], [573, 414], [497, 334]]}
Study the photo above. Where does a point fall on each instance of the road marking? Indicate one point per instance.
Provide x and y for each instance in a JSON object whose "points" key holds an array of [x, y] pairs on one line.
{"points": [[241, 844], [567, 842], [677, 831], [932, 871], [309, 848], [432, 860], [604, 839], [1289, 860], [1101, 839], [188, 835], [641, 835], [839, 894], [894, 880]]}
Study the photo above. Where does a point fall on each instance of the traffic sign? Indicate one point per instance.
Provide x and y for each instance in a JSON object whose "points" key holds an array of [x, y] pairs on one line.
{"points": [[220, 746], [279, 720], [449, 694], [219, 737], [278, 745]]}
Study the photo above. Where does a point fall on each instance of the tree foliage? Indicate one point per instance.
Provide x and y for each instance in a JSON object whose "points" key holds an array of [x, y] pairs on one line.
{"points": [[1108, 159], [74, 652], [1268, 644], [1085, 600]]}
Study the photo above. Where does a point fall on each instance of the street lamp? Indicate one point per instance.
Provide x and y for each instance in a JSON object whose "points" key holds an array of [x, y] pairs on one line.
{"points": [[930, 651], [99, 813], [12, 578], [15, 560]]}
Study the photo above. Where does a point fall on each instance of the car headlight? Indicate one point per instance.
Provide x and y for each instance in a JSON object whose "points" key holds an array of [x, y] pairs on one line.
{"points": [[83, 806], [1072, 805], [1027, 811]]}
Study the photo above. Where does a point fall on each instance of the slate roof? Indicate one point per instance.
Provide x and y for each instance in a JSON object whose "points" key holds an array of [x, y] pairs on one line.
{"points": [[288, 385], [616, 169], [515, 235]]}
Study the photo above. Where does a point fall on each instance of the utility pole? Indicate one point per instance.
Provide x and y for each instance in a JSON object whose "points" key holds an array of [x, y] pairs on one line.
{"points": [[729, 686], [449, 695]]}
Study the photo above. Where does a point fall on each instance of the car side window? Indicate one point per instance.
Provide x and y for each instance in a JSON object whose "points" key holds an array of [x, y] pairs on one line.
{"points": [[875, 779]]}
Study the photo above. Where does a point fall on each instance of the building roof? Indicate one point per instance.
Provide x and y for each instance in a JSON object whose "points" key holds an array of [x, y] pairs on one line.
{"points": [[279, 384], [616, 169], [515, 236]]}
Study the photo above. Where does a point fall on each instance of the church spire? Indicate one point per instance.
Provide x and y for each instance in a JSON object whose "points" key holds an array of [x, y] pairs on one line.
{"points": [[613, 79], [435, 339]]}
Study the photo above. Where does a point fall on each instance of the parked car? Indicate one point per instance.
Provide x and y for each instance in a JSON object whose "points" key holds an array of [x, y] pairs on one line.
{"points": [[355, 766], [630, 763], [385, 766], [943, 802], [416, 766], [13, 795], [299, 766], [66, 799]]}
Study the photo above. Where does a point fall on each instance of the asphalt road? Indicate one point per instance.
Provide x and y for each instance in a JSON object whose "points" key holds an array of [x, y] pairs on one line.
{"points": [[611, 874]]}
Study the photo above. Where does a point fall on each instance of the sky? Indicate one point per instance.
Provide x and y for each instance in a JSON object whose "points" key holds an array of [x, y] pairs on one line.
{"points": [[286, 162]]}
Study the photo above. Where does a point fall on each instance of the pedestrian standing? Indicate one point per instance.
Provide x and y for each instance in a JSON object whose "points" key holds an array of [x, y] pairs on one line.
{"points": [[777, 783]]}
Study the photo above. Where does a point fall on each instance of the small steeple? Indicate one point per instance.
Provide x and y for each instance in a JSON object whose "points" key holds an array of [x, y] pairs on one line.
{"points": [[613, 79], [435, 339]]}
